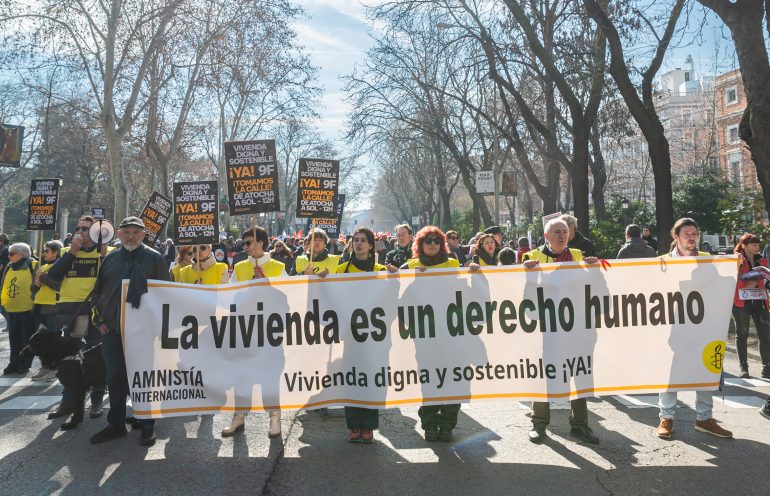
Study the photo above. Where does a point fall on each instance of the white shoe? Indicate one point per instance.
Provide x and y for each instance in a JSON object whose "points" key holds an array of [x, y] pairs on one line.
{"points": [[44, 374], [275, 424], [237, 424]]}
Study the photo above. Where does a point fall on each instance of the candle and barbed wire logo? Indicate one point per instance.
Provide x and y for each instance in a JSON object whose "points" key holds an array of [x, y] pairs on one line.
{"points": [[714, 356]]}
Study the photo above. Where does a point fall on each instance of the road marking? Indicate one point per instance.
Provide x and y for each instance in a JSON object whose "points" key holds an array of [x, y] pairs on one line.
{"points": [[741, 401], [638, 401], [730, 381], [30, 403]]}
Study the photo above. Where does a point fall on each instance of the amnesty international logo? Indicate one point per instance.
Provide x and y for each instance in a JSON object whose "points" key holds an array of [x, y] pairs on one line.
{"points": [[714, 355]]}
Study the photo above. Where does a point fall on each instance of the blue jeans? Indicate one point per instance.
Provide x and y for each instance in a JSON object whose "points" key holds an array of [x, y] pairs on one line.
{"points": [[117, 380], [704, 403]]}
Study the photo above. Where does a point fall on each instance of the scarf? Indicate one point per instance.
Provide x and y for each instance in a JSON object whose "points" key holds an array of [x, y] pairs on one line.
{"points": [[565, 256], [487, 258], [206, 264], [438, 259], [362, 265], [320, 257], [137, 285], [675, 253]]}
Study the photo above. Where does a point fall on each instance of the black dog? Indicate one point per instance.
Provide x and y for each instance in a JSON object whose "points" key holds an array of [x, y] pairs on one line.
{"points": [[75, 370]]}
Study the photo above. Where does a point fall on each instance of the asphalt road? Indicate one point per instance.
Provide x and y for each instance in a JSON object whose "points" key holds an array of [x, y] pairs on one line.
{"points": [[490, 454]]}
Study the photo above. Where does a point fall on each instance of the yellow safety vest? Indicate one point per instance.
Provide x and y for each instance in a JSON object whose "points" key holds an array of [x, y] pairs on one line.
{"points": [[176, 271], [212, 275], [80, 279], [700, 254], [541, 257], [330, 262], [46, 295], [341, 268], [413, 263], [244, 270], [16, 295]]}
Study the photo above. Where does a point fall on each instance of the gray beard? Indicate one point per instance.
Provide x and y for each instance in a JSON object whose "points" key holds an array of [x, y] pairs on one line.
{"points": [[131, 247]]}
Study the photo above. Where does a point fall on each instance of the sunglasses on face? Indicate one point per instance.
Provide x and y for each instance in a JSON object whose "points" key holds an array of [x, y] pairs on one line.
{"points": [[432, 241], [248, 242], [83, 228], [452, 237], [203, 247]]}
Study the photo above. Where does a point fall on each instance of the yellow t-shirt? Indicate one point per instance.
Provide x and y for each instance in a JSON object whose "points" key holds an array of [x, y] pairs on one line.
{"points": [[80, 279], [330, 262], [16, 295], [45, 295], [577, 256], [352, 268], [244, 270], [413, 263], [210, 276]]}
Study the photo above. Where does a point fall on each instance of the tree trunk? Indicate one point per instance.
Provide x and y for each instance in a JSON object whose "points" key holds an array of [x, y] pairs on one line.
{"points": [[118, 175], [599, 173]]}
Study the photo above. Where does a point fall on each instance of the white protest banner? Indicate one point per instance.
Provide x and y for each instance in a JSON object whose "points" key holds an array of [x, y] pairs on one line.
{"points": [[443, 336]]}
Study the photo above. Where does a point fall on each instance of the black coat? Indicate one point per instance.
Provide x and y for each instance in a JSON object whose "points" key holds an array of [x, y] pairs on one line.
{"points": [[636, 248], [107, 290], [583, 244]]}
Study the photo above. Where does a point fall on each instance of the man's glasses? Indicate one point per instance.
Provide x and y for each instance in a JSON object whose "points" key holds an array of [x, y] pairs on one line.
{"points": [[432, 241], [452, 237], [83, 228], [248, 243], [203, 247]]}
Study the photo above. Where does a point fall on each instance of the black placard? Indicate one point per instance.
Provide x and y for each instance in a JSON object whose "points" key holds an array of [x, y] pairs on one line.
{"points": [[42, 204], [252, 177], [331, 225], [11, 138], [317, 184], [196, 207], [155, 215]]}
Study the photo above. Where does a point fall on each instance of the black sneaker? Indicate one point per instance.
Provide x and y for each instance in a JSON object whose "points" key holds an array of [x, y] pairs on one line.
{"points": [[745, 372], [62, 411], [765, 411], [148, 435], [584, 433], [134, 422], [537, 435], [431, 433], [96, 410], [445, 435], [108, 434], [766, 372], [10, 370]]}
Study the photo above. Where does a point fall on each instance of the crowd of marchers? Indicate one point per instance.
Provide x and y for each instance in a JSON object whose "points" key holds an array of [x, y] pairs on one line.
{"points": [[72, 289]]}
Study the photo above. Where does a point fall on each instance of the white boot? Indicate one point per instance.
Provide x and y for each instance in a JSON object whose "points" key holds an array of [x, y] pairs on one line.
{"points": [[275, 424], [236, 425]]}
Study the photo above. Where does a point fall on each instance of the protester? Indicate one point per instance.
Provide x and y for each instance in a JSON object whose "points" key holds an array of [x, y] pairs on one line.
{"points": [[403, 249], [459, 252], [184, 256], [686, 234], [170, 254], [576, 238], [486, 251], [746, 310], [647, 238], [361, 422], [138, 263], [555, 249], [635, 247], [76, 270], [205, 269], [259, 265], [323, 262], [506, 256], [281, 253], [523, 248], [67, 239], [497, 233], [16, 298], [46, 292], [3, 251], [429, 251]]}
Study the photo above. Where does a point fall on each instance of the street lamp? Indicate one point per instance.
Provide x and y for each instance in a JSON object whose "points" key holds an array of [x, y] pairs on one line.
{"points": [[624, 204]]}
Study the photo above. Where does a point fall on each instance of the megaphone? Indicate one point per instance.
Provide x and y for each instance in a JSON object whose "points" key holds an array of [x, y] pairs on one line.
{"points": [[101, 232]]}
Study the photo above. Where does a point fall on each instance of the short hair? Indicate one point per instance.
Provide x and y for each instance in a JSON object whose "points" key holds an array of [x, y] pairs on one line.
{"points": [[506, 256], [54, 245], [570, 220], [683, 222], [633, 231], [405, 226], [451, 232], [258, 233], [87, 218], [553, 222], [22, 248], [318, 233], [523, 242]]}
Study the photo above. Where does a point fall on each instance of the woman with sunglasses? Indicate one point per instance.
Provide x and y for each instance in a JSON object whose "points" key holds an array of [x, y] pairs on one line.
{"points": [[46, 294], [361, 421], [183, 259], [430, 251], [205, 270], [259, 265]]}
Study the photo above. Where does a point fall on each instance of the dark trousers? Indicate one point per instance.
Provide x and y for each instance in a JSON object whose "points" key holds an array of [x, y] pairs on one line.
{"points": [[362, 418], [442, 416], [93, 338], [20, 328], [761, 318], [541, 413], [117, 380]]}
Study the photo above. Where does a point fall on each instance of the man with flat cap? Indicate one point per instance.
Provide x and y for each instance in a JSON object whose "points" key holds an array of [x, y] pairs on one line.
{"points": [[138, 263]]}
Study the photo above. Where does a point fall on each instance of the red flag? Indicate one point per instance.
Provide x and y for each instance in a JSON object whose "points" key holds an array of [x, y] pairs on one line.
{"points": [[300, 234], [387, 233]]}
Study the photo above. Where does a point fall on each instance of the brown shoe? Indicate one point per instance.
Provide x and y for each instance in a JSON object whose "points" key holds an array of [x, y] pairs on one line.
{"points": [[665, 428], [712, 427]]}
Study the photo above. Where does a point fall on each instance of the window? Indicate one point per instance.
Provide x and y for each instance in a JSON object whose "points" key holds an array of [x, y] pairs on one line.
{"points": [[735, 169], [731, 133], [687, 76], [731, 95]]}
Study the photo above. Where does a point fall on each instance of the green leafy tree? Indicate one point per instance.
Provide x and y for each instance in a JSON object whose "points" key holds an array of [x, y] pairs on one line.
{"points": [[701, 196]]}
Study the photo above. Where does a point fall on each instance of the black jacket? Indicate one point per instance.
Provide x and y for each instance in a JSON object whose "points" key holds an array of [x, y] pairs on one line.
{"points": [[583, 244], [107, 290], [398, 256], [636, 248]]}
